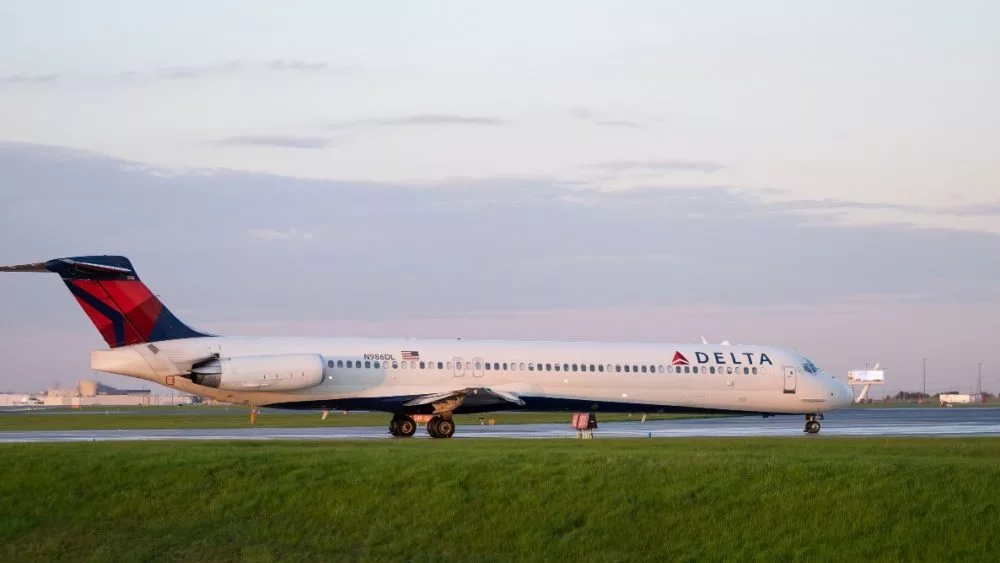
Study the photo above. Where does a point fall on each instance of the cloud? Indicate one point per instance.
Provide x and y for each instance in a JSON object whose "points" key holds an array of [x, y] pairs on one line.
{"points": [[663, 165], [977, 210], [585, 114], [829, 204], [283, 65], [618, 123], [186, 72], [278, 141], [837, 204], [419, 120], [272, 234], [29, 79]]}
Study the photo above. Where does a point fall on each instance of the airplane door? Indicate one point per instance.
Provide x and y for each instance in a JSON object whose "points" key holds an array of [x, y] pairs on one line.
{"points": [[477, 367], [459, 367], [789, 379]]}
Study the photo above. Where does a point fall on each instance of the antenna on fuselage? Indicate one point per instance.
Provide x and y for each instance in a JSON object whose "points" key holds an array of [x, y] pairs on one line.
{"points": [[704, 340]]}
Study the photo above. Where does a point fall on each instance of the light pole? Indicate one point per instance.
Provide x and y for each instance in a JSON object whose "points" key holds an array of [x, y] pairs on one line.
{"points": [[925, 378]]}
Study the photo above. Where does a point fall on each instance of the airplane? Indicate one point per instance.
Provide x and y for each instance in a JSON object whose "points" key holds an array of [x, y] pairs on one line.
{"points": [[436, 378]]}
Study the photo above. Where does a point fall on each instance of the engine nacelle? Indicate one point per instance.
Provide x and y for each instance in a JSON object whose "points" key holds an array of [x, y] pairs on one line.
{"points": [[283, 372]]}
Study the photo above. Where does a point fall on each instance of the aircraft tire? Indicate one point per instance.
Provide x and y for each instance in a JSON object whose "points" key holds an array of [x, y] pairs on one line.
{"points": [[394, 427], [445, 428], [432, 427], [406, 427], [812, 427]]}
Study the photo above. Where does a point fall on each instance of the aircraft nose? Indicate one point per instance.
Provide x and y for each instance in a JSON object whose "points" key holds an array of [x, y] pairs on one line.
{"points": [[843, 394]]}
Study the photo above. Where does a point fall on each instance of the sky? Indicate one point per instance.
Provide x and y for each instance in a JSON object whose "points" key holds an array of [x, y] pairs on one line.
{"points": [[824, 176]]}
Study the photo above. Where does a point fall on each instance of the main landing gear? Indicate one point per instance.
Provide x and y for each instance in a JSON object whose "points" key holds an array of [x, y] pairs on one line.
{"points": [[402, 426], [440, 427], [812, 425]]}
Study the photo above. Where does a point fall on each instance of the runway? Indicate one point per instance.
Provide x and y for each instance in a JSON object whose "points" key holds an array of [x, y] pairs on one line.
{"points": [[884, 422]]}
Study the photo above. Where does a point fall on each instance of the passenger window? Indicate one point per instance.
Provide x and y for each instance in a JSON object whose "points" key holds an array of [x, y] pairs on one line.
{"points": [[329, 364], [661, 369], [479, 365], [368, 364], [531, 367], [557, 367], [635, 369], [643, 369], [746, 371], [505, 366], [520, 366], [574, 367], [496, 366], [754, 371], [487, 366], [422, 365], [395, 365], [440, 365], [600, 367], [340, 363], [451, 366], [618, 367], [711, 369], [626, 368], [376, 365], [687, 369], [729, 370]]}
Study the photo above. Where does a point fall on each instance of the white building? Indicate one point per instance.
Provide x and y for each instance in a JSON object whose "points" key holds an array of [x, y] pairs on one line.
{"points": [[957, 399]]}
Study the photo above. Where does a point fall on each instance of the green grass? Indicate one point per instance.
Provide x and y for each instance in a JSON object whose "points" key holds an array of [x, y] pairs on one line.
{"points": [[111, 418], [809, 499]]}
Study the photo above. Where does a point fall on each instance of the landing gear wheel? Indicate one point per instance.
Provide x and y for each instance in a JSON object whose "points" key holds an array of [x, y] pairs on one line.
{"points": [[812, 427], [406, 427], [439, 427], [402, 427], [446, 428]]}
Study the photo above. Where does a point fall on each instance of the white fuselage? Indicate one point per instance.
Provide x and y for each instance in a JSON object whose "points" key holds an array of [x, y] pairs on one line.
{"points": [[545, 375]]}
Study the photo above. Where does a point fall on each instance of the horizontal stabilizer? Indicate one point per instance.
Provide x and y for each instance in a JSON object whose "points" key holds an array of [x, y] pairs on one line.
{"points": [[36, 267]]}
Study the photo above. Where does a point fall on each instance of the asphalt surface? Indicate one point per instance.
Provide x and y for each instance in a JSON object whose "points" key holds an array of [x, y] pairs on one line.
{"points": [[978, 421]]}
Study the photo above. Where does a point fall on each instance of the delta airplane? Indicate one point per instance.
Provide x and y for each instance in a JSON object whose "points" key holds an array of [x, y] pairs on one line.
{"points": [[439, 378]]}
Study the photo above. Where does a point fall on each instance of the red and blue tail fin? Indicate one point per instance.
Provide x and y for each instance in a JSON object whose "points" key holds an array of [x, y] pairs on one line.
{"points": [[122, 308]]}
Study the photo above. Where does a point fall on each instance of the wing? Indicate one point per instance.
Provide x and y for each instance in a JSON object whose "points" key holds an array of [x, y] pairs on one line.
{"points": [[469, 397]]}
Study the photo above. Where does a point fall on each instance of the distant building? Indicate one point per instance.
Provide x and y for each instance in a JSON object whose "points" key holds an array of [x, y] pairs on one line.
{"points": [[88, 392], [956, 398], [17, 399]]}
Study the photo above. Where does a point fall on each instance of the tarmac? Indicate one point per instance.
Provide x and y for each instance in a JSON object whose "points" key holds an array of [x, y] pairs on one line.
{"points": [[876, 422]]}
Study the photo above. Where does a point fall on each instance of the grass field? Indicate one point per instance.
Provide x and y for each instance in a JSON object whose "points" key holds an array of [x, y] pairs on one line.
{"points": [[111, 418], [498, 500]]}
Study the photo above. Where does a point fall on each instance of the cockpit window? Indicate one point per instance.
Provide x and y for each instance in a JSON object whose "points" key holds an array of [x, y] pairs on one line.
{"points": [[809, 367]]}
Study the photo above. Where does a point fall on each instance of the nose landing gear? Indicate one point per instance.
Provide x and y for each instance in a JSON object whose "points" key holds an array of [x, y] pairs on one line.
{"points": [[812, 425]]}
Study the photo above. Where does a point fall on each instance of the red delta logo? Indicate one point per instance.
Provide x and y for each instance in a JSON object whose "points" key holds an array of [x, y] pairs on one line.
{"points": [[679, 360]]}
